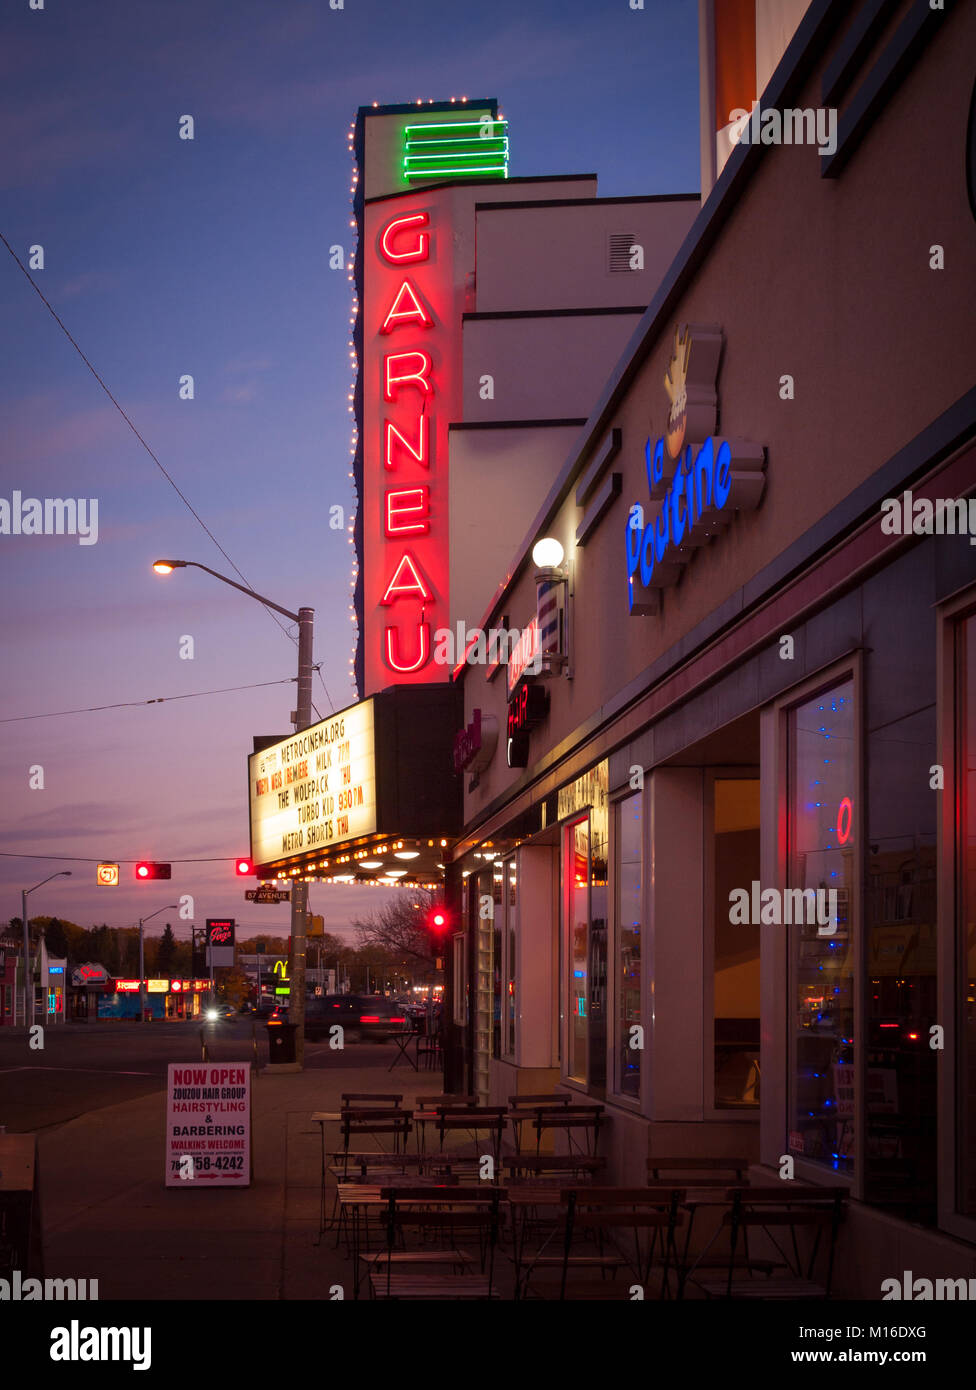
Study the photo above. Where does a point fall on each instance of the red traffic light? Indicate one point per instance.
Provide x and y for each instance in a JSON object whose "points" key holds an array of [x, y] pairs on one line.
{"points": [[438, 920], [243, 868], [147, 870]]}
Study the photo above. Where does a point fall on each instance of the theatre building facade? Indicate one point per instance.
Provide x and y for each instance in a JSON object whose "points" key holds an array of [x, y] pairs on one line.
{"points": [[718, 869]]}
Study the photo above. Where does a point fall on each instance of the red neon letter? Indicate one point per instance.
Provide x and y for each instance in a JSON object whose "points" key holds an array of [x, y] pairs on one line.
{"points": [[844, 830], [395, 436], [393, 648], [418, 252], [404, 503], [413, 310], [410, 582], [395, 378]]}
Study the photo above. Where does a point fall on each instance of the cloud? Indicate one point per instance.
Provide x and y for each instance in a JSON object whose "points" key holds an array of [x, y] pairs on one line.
{"points": [[247, 391], [83, 284]]}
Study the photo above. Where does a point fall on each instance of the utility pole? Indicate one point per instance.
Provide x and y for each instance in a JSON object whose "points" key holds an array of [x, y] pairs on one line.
{"points": [[299, 888]]}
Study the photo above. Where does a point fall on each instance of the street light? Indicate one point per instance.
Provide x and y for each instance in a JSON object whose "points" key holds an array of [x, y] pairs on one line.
{"points": [[28, 976], [170, 907], [302, 718]]}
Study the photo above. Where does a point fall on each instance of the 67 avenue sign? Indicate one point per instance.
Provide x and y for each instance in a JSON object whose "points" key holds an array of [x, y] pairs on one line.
{"points": [[268, 895]]}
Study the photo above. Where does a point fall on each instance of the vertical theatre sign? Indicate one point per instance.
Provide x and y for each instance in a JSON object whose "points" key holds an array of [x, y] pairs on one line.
{"points": [[408, 386]]}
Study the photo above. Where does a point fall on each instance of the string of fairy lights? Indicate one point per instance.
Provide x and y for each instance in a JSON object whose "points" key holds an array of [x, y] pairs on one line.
{"points": [[354, 367]]}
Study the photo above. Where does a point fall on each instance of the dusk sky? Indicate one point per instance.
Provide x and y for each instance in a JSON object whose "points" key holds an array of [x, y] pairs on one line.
{"points": [[209, 257]]}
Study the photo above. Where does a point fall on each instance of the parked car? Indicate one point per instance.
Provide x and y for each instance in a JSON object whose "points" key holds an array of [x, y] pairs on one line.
{"points": [[361, 1016]]}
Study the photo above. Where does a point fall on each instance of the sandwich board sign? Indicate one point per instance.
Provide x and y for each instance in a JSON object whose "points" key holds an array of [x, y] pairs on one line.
{"points": [[208, 1124]]}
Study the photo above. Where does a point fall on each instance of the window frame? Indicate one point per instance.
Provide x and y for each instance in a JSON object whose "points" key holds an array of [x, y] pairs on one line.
{"points": [[952, 613], [713, 774], [616, 802], [777, 975]]}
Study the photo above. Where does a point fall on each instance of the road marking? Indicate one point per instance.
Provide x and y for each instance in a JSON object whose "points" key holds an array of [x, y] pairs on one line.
{"points": [[89, 1071]]}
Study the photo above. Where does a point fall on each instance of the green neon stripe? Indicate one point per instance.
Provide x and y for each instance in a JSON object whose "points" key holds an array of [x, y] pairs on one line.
{"points": [[453, 173], [449, 158], [423, 147], [460, 140], [453, 125]]}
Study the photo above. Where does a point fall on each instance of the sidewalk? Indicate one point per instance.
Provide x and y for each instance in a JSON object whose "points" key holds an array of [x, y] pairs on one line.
{"points": [[107, 1215]]}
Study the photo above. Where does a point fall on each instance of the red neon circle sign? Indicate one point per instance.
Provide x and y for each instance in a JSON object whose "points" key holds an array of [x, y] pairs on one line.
{"points": [[844, 829]]}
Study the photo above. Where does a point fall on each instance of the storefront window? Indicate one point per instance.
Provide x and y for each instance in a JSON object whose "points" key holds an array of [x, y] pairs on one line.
{"points": [[735, 946], [494, 886], [577, 861], [510, 884], [822, 845], [966, 973], [627, 946]]}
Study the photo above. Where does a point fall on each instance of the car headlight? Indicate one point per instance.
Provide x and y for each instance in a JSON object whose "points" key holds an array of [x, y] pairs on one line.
{"points": [[212, 1015]]}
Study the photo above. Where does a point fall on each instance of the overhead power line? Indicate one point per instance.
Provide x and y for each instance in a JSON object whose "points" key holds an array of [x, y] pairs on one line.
{"points": [[172, 482], [156, 700]]}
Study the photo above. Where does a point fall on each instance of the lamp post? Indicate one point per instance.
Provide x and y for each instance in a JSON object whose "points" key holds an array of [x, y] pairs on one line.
{"points": [[170, 907], [28, 974], [302, 718]]}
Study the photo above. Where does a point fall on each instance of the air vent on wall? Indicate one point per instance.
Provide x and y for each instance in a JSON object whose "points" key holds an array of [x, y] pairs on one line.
{"points": [[618, 250]]}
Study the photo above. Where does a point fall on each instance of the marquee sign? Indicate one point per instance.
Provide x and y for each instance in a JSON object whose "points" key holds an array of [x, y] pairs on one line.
{"points": [[316, 788], [698, 479]]}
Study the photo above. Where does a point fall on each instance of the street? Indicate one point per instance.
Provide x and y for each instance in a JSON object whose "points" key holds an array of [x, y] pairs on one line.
{"points": [[84, 1067]]}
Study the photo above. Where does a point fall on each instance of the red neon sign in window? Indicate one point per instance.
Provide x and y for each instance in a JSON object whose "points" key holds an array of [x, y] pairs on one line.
{"points": [[420, 249], [845, 809]]}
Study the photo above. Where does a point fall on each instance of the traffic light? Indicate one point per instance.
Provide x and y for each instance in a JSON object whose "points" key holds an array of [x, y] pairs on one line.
{"points": [[437, 921], [243, 868], [146, 870]]}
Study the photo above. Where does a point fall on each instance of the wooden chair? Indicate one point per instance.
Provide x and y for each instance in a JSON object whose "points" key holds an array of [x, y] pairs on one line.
{"points": [[718, 1169], [610, 1229], [786, 1208], [373, 1121], [439, 1215], [432, 1102], [473, 1120], [361, 1100], [533, 1102], [583, 1119]]}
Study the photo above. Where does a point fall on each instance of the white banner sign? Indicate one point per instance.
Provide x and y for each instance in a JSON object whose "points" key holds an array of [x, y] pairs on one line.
{"points": [[208, 1124], [314, 789]]}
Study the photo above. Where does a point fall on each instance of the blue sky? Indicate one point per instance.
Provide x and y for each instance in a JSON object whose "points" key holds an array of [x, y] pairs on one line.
{"points": [[166, 257]]}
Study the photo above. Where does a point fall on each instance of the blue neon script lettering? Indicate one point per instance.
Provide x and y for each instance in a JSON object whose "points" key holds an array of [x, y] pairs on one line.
{"points": [[699, 484]]}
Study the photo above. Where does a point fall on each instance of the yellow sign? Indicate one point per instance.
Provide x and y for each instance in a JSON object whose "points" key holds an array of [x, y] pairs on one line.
{"points": [[157, 986], [316, 926], [315, 789], [107, 875]]}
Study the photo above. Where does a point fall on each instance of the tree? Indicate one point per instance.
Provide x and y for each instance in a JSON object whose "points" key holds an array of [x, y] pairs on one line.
{"points": [[235, 987], [166, 954], [400, 932]]}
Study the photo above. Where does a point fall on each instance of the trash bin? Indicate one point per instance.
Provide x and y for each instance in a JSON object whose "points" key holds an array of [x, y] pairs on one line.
{"points": [[281, 1042]]}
